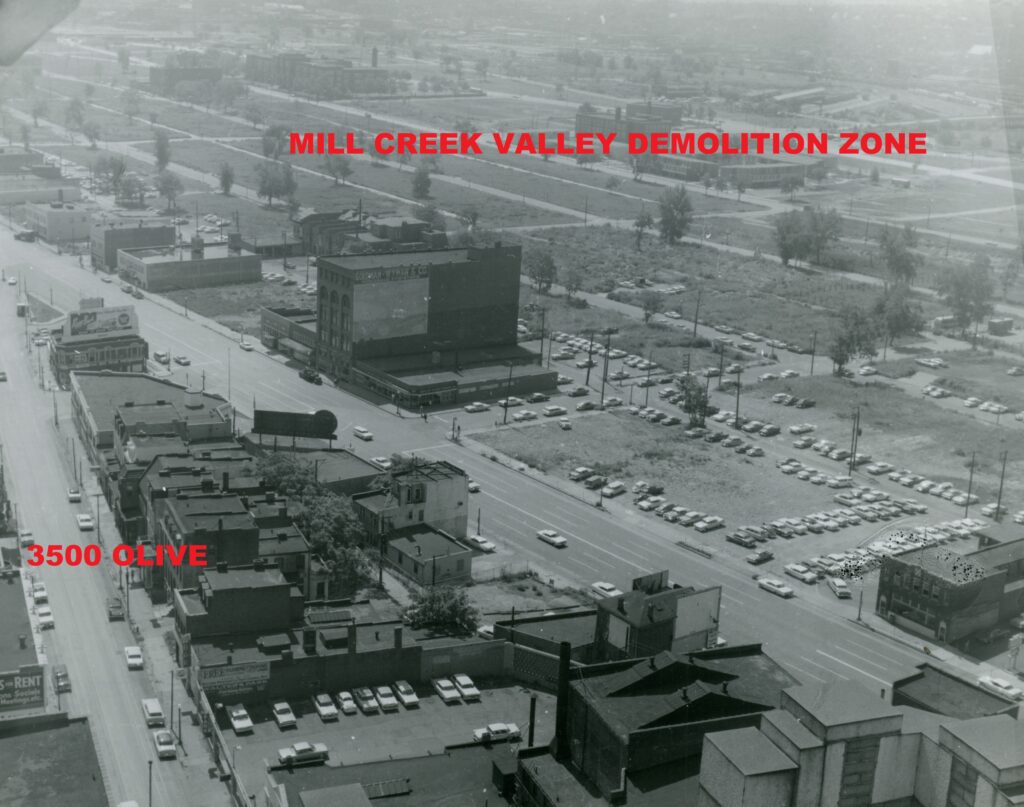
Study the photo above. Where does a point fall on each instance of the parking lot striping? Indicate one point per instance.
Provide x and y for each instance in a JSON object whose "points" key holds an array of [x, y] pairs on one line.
{"points": [[858, 669], [829, 670]]}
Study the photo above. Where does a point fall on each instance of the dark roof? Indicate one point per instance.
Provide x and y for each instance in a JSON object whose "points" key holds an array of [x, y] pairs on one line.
{"points": [[999, 555], [282, 541], [431, 471], [391, 260], [938, 691], [14, 622], [577, 629], [424, 543], [751, 751]]}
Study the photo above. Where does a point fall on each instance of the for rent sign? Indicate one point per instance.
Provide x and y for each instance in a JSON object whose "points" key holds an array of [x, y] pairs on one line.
{"points": [[22, 689], [237, 680]]}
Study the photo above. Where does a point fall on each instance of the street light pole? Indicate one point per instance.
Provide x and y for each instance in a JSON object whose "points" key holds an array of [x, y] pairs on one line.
{"points": [[151, 783], [99, 532]]}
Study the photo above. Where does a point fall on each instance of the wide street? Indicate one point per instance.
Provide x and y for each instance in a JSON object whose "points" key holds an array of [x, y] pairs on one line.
{"points": [[813, 635]]}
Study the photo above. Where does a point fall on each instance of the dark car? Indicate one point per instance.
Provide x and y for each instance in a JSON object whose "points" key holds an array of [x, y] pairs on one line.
{"points": [[537, 397], [741, 539], [115, 609], [61, 679], [138, 295], [806, 403], [757, 558], [596, 482], [25, 235], [310, 375]]}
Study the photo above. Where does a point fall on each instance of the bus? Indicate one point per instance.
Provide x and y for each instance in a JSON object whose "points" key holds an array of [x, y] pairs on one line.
{"points": [[22, 307]]}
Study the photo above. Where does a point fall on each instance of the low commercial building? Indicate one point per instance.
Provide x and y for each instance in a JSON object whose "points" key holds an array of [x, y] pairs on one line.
{"points": [[163, 80], [108, 235], [98, 339], [22, 681], [291, 331], [424, 493], [170, 268], [18, 189], [429, 557], [59, 222], [937, 690]]}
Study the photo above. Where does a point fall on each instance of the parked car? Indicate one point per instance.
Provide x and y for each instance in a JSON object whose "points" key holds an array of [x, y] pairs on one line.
{"points": [[302, 753], [602, 591], [115, 609], [133, 657], [45, 616], [184, 361], [246, 345], [325, 707], [481, 543], [757, 558], [164, 742], [406, 694], [386, 698], [283, 715], [496, 732], [39, 594], [61, 679], [467, 689], [85, 522], [239, 719], [310, 375], [1000, 687], [446, 690], [776, 587], [365, 700], [74, 495], [580, 473], [362, 433]]}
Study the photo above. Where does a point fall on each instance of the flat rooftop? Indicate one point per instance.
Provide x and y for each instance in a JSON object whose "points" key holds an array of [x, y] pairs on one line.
{"points": [[839, 704], [173, 254], [425, 543], [945, 694], [14, 622], [52, 766], [577, 630], [998, 739], [242, 578], [751, 752]]}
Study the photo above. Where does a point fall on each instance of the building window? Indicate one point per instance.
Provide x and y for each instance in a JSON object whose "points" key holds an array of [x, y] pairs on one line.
{"points": [[460, 565], [421, 515]]}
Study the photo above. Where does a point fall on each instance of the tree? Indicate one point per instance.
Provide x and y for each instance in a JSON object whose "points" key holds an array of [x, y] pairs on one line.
{"points": [[421, 183], [124, 58], [25, 137], [444, 609], [790, 237], [1009, 276], [642, 224], [968, 291], [469, 216], [573, 280], [707, 181], [130, 104], [651, 302], [169, 185], [226, 90], [676, 214], [789, 185], [897, 315], [874, 175], [131, 189], [720, 184], [286, 473], [429, 214], [480, 66], [339, 166], [541, 269], [227, 178], [91, 130], [695, 401], [117, 168], [253, 113], [75, 113], [741, 189], [274, 140], [901, 263], [38, 108], [162, 151], [824, 227], [276, 181], [854, 337]]}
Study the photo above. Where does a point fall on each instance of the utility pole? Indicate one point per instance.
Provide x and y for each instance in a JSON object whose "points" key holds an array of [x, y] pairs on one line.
{"points": [[543, 322], [647, 384], [508, 391], [739, 375], [99, 532], [590, 357], [814, 347], [604, 374], [696, 313], [999, 498], [970, 485], [853, 439]]}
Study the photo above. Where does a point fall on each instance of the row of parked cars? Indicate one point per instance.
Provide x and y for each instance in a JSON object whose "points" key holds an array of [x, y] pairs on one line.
{"points": [[649, 502], [785, 399]]}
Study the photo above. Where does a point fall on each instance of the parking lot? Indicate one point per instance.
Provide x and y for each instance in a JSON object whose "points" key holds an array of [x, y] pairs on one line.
{"points": [[358, 738]]}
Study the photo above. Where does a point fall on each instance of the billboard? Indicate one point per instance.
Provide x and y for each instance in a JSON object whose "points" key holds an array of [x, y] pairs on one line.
{"points": [[93, 323], [234, 680], [322, 423], [390, 309], [22, 689]]}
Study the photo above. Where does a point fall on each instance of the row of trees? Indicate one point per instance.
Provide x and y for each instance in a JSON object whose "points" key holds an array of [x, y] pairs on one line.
{"points": [[806, 234]]}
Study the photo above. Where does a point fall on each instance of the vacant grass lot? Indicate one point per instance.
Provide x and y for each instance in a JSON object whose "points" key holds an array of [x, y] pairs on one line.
{"points": [[971, 373], [239, 306]]}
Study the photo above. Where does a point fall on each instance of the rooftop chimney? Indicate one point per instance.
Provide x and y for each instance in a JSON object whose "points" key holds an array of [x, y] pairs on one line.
{"points": [[562, 705], [352, 638], [225, 484], [222, 567]]}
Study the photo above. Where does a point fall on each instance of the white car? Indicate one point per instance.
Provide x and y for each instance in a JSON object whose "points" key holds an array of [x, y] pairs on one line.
{"points": [[867, 370], [74, 495], [472, 486], [45, 616], [283, 715], [245, 345], [347, 703], [133, 657], [553, 538], [382, 462], [325, 707], [776, 587], [476, 406], [481, 543], [1000, 687], [25, 538], [467, 689], [302, 753], [445, 690], [406, 694], [362, 434], [39, 595], [239, 719], [496, 732], [602, 591], [164, 742], [85, 522], [386, 698]]}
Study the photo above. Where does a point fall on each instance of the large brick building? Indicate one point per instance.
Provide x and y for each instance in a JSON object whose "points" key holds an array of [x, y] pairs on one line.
{"points": [[323, 78]]}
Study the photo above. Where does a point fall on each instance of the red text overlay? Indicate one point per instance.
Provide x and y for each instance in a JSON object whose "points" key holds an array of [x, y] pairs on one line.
{"points": [[576, 144], [121, 555]]}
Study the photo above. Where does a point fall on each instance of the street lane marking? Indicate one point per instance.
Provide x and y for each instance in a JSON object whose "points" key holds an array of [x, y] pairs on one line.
{"points": [[858, 669], [839, 649], [805, 672], [829, 670], [908, 654]]}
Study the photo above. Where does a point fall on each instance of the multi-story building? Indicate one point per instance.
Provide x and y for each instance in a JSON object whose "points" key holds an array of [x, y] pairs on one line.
{"points": [[108, 235], [173, 268], [429, 557], [322, 78], [426, 327], [59, 222], [163, 80], [424, 493], [98, 339]]}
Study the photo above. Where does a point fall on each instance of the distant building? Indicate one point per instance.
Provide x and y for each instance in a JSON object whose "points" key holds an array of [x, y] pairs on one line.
{"points": [[336, 232], [98, 339], [169, 269], [320, 78], [426, 327], [22, 188], [58, 222], [291, 331], [325, 233], [163, 80], [938, 690], [108, 235], [18, 161]]}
